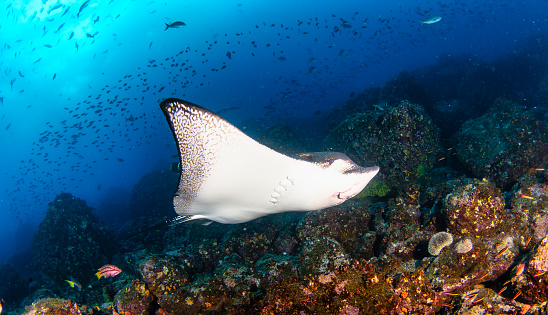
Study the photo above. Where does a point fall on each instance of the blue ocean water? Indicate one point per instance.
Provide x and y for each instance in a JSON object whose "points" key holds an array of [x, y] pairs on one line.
{"points": [[82, 80]]}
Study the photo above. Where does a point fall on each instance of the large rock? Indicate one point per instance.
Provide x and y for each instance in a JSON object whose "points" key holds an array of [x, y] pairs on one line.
{"points": [[71, 241], [401, 140], [345, 224], [56, 306], [475, 207], [503, 144], [532, 281], [135, 298]]}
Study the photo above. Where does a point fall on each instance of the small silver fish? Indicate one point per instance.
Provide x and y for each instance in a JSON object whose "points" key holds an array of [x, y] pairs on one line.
{"points": [[82, 7], [176, 24], [59, 28], [66, 11], [431, 20], [55, 7]]}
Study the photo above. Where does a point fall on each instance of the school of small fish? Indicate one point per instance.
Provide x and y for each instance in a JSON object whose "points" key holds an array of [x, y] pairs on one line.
{"points": [[353, 42]]}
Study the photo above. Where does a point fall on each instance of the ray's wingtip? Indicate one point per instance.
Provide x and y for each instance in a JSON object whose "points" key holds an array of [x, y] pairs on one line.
{"points": [[174, 101], [182, 105], [165, 103], [373, 169]]}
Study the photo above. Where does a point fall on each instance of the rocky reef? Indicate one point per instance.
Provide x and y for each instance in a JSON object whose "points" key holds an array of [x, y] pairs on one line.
{"points": [[455, 230], [464, 247]]}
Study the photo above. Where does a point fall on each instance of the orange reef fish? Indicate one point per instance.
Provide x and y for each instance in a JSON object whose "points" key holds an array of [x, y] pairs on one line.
{"points": [[538, 274], [108, 271], [520, 269]]}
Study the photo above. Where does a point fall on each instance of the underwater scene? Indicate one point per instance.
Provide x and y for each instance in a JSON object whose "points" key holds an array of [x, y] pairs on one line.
{"points": [[274, 157]]}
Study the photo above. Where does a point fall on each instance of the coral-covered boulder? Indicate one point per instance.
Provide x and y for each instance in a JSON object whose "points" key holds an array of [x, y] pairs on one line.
{"points": [[274, 268], [231, 285], [56, 306], [415, 293], [321, 255], [265, 235], [530, 277], [529, 203], [481, 300], [460, 266], [163, 275], [71, 241], [475, 207], [135, 298], [350, 289], [404, 237], [503, 144], [345, 224], [401, 140]]}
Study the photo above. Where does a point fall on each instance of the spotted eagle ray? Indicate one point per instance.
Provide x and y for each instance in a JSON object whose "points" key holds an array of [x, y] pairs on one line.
{"points": [[228, 177]]}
